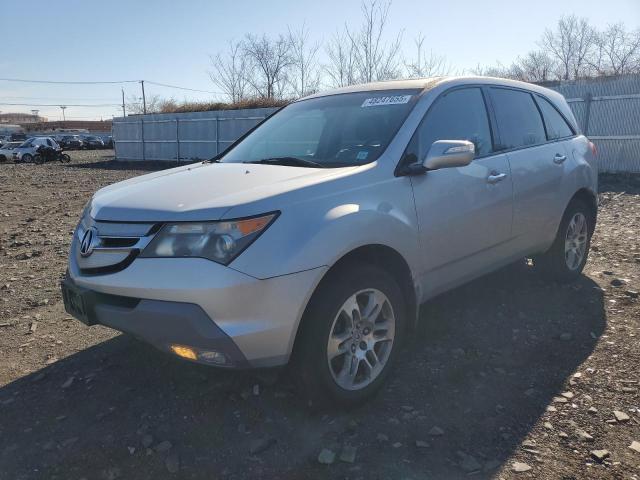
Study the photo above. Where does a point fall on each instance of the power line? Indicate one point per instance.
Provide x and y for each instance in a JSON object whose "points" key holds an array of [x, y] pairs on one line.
{"points": [[57, 104], [183, 88], [21, 80], [12, 97]]}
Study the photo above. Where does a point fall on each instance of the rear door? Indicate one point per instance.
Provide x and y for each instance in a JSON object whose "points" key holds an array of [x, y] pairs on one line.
{"points": [[464, 213], [537, 165]]}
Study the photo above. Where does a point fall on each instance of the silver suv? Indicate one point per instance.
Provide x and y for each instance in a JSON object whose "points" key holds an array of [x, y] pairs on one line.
{"points": [[314, 238]]}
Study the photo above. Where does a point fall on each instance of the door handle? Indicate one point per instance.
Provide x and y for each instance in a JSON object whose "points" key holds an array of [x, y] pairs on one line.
{"points": [[496, 177], [558, 159]]}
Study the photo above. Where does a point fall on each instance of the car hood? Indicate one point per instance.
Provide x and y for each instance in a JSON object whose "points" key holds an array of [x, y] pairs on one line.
{"points": [[200, 191]]}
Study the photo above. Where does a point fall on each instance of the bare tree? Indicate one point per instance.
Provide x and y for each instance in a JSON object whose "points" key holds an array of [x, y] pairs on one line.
{"points": [[269, 60], [617, 51], [570, 44], [304, 75], [427, 65], [535, 66], [497, 70], [230, 71], [341, 66], [364, 55], [376, 59], [136, 106]]}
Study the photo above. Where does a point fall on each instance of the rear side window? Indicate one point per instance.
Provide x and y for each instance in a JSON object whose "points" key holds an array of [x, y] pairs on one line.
{"points": [[458, 115], [557, 126], [519, 121]]}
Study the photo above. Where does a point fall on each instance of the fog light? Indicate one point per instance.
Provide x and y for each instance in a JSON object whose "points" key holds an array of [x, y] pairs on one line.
{"points": [[184, 352], [217, 358]]}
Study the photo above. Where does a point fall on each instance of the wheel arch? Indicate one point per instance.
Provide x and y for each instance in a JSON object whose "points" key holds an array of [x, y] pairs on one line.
{"points": [[382, 256], [591, 200]]}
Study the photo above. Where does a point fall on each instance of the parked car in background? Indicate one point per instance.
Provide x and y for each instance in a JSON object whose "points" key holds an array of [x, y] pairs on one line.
{"points": [[91, 142], [108, 141], [27, 150], [16, 137], [72, 142], [7, 149], [314, 239]]}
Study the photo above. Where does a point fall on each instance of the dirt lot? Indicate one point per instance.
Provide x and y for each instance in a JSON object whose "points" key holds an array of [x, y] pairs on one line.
{"points": [[507, 369]]}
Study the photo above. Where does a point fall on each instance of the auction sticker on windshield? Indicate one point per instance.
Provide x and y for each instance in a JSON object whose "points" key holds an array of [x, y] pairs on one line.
{"points": [[388, 100]]}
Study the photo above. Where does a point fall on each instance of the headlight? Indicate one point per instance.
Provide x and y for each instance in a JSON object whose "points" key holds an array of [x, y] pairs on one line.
{"points": [[218, 241]]}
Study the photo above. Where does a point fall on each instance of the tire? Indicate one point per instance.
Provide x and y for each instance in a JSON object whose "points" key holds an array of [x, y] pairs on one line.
{"points": [[38, 159], [566, 258], [3, 159], [65, 158], [325, 318], [26, 158]]}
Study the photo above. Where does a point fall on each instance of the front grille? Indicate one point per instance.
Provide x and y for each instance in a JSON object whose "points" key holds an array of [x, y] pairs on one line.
{"points": [[113, 247]]}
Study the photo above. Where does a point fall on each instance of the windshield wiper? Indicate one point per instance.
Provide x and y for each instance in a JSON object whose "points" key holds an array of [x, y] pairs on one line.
{"points": [[215, 159], [288, 161]]}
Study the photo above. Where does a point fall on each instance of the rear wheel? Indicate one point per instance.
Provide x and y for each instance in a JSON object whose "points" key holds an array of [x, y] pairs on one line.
{"points": [[65, 158], [350, 335], [566, 258]]}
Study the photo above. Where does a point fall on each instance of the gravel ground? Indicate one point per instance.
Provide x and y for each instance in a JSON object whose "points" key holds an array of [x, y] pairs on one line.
{"points": [[507, 377]]}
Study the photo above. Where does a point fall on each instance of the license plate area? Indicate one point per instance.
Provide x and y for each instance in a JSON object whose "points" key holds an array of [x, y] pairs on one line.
{"points": [[75, 302]]}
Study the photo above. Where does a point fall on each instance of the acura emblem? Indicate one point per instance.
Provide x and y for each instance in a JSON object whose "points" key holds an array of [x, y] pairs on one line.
{"points": [[88, 241]]}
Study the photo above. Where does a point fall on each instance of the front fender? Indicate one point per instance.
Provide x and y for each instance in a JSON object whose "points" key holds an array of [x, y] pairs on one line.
{"points": [[319, 232]]}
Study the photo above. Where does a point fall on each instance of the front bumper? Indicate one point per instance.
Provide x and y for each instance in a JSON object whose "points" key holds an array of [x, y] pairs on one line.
{"points": [[157, 322], [198, 303]]}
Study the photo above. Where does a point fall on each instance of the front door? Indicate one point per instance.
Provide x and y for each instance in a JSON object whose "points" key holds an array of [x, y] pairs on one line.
{"points": [[465, 213]]}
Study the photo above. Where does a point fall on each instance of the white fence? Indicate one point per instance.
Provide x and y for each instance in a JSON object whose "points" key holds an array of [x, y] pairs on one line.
{"points": [[182, 137], [607, 109]]}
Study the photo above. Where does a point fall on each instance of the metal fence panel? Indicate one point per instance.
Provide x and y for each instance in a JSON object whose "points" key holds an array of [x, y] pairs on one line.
{"points": [[607, 110], [182, 137], [613, 119]]}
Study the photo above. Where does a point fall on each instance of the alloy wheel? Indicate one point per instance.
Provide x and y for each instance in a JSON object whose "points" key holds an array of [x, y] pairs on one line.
{"points": [[361, 339], [575, 244]]}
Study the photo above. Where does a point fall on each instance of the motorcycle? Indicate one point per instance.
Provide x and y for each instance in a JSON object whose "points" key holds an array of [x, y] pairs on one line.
{"points": [[49, 154]]}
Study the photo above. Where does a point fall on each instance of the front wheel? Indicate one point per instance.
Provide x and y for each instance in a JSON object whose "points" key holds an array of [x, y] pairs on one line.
{"points": [[351, 332], [566, 258], [26, 158]]}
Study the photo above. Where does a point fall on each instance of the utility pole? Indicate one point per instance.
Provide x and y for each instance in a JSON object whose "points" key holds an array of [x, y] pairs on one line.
{"points": [[144, 100], [124, 113], [64, 120]]}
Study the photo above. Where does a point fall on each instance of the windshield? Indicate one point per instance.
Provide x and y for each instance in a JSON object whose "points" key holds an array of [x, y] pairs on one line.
{"points": [[332, 131]]}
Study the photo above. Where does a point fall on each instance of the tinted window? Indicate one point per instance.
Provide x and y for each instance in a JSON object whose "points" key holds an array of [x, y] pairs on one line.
{"points": [[519, 121], [557, 126], [457, 115]]}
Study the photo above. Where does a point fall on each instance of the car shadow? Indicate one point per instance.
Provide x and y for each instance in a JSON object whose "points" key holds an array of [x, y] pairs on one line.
{"points": [[481, 368]]}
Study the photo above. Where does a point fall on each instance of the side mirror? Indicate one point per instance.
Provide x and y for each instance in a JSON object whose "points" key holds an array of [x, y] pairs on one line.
{"points": [[448, 154]]}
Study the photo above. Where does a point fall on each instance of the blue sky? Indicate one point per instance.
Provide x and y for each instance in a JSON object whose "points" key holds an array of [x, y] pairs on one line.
{"points": [[170, 41]]}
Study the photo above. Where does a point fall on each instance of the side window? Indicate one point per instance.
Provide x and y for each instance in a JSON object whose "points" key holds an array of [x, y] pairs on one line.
{"points": [[49, 143], [557, 126], [457, 115], [519, 121]]}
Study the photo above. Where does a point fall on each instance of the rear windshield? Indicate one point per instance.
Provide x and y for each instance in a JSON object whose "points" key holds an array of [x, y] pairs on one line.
{"points": [[332, 131]]}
